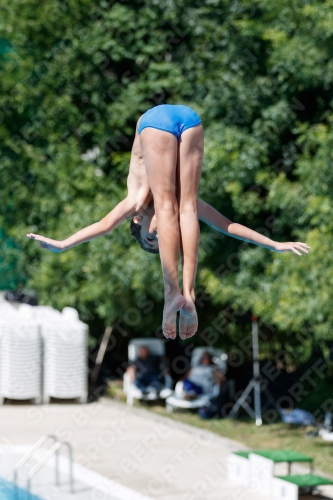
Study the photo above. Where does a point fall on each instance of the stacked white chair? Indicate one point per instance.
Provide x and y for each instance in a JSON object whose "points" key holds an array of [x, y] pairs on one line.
{"points": [[65, 356], [43, 353], [20, 355]]}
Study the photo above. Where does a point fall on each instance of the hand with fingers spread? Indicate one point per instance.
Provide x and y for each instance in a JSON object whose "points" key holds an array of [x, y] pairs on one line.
{"points": [[54, 246], [295, 247]]}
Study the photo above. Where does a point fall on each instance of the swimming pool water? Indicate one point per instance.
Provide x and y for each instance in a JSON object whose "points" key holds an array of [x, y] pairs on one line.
{"points": [[7, 492]]}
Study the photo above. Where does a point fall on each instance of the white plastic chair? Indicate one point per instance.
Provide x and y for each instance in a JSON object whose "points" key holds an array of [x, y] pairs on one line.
{"points": [[43, 353], [157, 348], [20, 356], [65, 357], [177, 399]]}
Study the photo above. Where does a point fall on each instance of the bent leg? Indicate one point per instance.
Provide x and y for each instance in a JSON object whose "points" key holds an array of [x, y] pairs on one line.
{"points": [[160, 150], [155, 382], [191, 151], [141, 384]]}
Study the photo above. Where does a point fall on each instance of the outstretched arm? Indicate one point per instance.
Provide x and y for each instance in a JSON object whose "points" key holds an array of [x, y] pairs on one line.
{"points": [[213, 218], [125, 209], [137, 193]]}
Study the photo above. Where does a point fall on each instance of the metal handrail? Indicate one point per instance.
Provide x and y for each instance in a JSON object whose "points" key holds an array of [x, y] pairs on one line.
{"points": [[30, 454], [54, 449]]}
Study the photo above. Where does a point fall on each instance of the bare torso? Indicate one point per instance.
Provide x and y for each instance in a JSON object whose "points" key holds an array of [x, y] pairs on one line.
{"points": [[137, 182]]}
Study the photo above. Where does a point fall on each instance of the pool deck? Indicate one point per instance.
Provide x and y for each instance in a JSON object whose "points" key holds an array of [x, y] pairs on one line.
{"points": [[158, 458]]}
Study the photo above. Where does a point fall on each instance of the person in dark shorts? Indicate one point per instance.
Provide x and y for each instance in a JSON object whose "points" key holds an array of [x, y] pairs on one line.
{"points": [[145, 371]]}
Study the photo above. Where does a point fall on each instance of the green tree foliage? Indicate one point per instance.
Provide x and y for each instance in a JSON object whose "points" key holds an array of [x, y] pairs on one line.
{"points": [[77, 75]]}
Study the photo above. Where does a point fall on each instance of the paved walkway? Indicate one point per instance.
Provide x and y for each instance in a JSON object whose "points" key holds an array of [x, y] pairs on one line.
{"points": [[153, 455]]}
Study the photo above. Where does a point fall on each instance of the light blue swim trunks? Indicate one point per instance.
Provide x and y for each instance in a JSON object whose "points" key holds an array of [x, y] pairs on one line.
{"points": [[173, 118]]}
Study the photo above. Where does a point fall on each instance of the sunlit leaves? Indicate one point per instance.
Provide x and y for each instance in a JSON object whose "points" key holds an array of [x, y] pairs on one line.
{"points": [[76, 76]]}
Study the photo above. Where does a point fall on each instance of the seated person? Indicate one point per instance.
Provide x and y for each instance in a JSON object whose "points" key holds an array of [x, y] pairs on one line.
{"points": [[145, 371], [201, 379], [221, 404]]}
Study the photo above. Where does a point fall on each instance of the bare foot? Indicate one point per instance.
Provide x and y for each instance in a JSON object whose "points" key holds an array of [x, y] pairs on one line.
{"points": [[171, 306], [188, 321]]}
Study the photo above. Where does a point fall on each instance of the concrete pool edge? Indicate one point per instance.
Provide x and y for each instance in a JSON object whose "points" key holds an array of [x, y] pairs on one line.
{"points": [[85, 475]]}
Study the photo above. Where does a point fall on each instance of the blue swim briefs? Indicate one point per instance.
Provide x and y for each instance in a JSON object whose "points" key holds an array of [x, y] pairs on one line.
{"points": [[173, 118]]}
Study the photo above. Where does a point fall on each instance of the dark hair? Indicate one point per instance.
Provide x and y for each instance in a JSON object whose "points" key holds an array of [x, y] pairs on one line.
{"points": [[207, 353], [136, 233]]}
